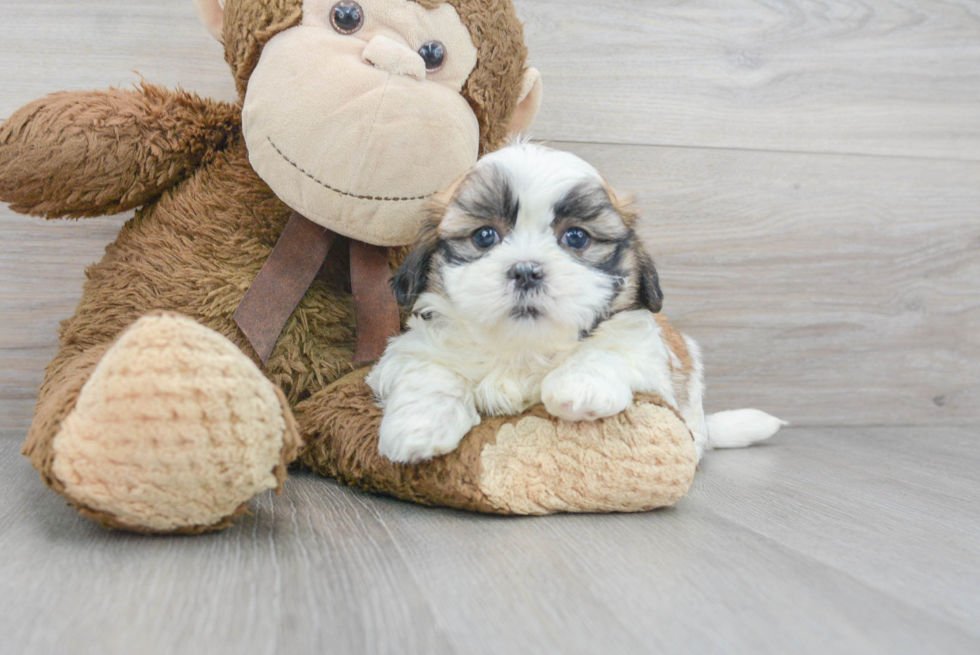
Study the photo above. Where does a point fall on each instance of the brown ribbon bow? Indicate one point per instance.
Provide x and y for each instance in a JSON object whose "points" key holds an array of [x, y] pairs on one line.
{"points": [[290, 270]]}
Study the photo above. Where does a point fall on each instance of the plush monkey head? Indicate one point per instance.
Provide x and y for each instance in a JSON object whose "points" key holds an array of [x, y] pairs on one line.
{"points": [[357, 113]]}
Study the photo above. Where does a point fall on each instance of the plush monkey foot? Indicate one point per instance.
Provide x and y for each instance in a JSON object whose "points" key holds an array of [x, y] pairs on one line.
{"points": [[175, 431], [531, 464]]}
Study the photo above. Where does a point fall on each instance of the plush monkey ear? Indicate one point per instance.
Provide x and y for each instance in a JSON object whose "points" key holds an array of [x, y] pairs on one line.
{"points": [[211, 13], [412, 279], [532, 93], [649, 293]]}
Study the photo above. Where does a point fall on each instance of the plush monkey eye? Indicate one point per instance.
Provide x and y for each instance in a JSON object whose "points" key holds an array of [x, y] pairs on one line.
{"points": [[576, 239], [433, 54], [347, 17], [486, 238]]}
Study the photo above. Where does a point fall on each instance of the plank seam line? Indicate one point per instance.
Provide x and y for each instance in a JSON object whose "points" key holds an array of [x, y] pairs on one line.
{"points": [[773, 151]]}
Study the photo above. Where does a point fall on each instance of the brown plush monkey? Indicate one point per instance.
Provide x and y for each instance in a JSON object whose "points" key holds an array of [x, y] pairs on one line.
{"points": [[157, 414]]}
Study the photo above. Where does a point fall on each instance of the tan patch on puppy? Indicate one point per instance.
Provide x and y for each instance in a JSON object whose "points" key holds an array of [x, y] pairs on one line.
{"points": [[624, 206], [681, 364], [675, 341]]}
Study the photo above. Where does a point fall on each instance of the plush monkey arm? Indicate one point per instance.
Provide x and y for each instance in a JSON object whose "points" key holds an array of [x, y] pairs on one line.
{"points": [[71, 155]]}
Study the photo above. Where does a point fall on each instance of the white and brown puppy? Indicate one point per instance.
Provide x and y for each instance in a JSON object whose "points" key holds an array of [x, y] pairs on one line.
{"points": [[529, 285]]}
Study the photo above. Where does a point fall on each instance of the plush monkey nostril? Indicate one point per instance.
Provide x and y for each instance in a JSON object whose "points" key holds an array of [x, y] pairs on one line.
{"points": [[433, 54], [527, 275]]}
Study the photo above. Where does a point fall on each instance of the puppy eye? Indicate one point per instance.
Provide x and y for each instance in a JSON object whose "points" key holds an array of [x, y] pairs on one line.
{"points": [[347, 17], [576, 239], [486, 238], [433, 54]]}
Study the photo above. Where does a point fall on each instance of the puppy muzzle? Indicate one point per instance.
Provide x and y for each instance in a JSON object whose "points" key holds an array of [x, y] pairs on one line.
{"points": [[527, 276]]}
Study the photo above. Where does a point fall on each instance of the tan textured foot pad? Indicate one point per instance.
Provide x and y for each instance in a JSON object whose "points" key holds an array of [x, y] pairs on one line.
{"points": [[640, 460], [174, 432], [532, 464]]}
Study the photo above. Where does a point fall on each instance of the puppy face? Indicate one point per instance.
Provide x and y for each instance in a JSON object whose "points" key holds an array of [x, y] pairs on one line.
{"points": [[529, 242]]}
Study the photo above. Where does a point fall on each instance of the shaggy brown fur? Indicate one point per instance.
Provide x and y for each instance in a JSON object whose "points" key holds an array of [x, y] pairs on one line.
{"points": [[207, 221], [206, 225], [92, 154], [494, 87]]}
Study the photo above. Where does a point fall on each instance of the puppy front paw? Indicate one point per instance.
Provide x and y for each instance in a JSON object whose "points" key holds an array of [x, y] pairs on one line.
{"points": [[412, 434], [578, 396]]}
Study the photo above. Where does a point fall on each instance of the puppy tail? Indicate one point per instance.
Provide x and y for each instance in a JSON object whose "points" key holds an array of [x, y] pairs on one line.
{"points": [[741, 427]]}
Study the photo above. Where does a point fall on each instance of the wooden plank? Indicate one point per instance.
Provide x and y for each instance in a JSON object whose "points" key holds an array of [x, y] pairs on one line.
{"points": [[827, 289], [890, 77], [42, 268], [55, 45], [685, 580], [808, 545], [896, 509]]}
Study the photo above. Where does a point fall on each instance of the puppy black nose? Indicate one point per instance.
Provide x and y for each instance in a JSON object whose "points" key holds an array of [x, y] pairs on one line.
{"points": [[527, 275]]}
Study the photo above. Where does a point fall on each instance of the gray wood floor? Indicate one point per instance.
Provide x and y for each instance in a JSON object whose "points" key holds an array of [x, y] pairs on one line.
{"points": [[809, 176], [848, 540]]}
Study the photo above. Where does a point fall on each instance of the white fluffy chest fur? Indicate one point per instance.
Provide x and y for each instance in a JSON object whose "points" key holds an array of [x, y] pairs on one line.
{"points": [[505, 375], [435, 380]]}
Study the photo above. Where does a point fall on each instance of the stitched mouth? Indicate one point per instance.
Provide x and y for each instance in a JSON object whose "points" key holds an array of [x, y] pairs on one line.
{"points": [[338, 191]]}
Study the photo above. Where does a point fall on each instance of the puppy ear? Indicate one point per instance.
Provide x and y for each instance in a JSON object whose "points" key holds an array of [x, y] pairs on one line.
{"points": [[625, 206], [649, 293], [412, 279]]}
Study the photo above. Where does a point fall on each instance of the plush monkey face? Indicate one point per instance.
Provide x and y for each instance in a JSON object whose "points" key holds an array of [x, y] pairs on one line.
{"points": [[357, 113]]}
